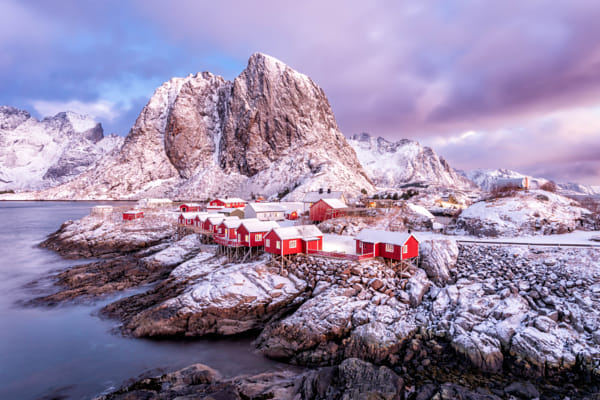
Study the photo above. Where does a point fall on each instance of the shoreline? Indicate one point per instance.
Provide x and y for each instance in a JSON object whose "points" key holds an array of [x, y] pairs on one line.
{"points": [[317, 313]]}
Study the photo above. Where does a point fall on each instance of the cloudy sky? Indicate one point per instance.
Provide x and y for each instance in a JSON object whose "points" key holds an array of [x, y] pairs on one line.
{"points": [[490, 84]]}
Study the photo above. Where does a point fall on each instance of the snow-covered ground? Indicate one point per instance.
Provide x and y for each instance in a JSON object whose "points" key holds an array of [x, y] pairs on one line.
{"points": [[339, 243]]}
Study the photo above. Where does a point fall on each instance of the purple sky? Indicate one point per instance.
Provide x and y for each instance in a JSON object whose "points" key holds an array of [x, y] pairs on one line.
{"points": [[506, 84]]}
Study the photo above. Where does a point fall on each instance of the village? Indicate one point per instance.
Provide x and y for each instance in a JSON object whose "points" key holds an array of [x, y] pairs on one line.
{"points": [[241, 230]]}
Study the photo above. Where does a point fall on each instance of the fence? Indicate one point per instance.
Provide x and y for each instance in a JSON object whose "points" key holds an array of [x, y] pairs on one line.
{"points": [[345, 256]]}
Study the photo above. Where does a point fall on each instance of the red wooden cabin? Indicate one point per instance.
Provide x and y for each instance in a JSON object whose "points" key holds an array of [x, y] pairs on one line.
{"points": [[393, 245], [190, 207], [252, 233], [293, 240], [132, 214], [189, 218], [232, 202], [326, 209], [204, 223], [215, 222]]}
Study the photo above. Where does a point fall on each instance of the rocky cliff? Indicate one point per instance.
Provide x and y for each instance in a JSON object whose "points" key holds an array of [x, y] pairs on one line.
{"points": [[395, 164], [40, 154], [269, 131]]}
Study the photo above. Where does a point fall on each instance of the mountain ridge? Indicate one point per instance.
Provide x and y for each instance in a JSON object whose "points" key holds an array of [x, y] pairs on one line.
{"points": [[201, 136], [37, 154], [395, 164]]}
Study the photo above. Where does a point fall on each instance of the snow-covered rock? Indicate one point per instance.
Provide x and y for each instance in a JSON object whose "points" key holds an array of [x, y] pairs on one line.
{"points": [[524, 212], [269, 131], [438, 258], [41, 154], [396, 164], [222, 299]]}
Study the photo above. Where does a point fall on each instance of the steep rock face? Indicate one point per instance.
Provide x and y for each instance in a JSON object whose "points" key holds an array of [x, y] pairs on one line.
{"points": [[271, 130], [40, 154], [394, 164]]}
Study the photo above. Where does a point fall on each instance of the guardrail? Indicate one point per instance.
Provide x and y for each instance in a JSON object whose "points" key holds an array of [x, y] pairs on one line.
{"points": [[528, 244], [345, 256]]}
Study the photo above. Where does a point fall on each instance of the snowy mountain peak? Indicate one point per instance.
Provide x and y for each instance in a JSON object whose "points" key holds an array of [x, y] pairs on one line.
{"points": [[270, 131], [395, 164], [39, 154]]}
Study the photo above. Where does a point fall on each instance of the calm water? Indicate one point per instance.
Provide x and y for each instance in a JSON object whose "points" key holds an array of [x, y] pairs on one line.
{"points": [[67, 351]]}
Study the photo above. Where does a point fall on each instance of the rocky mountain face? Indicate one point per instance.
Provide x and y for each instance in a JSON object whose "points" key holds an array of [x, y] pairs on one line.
{"points": [[395, 164], [269, 131], [40, 154]]}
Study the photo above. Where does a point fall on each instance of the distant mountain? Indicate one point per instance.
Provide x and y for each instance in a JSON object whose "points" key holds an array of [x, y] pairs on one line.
{"points": [[269, 131], [487, 178], [40, 154], [395, 164]]}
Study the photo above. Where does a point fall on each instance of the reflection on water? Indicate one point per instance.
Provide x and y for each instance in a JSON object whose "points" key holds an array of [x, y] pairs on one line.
{"points": [[66, 351]]}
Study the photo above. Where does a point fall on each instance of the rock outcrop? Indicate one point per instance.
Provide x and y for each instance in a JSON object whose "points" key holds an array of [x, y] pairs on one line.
{"points": [[533, 212], [269, 131], [40, 154]]}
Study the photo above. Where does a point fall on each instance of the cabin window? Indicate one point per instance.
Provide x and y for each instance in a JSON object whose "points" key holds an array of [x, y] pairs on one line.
{"points": [[292, 244], [239, 237], [258, 237], [247, 238], [226, 231], [405, 249], [268, 243], [389, 248], [278, 244]]}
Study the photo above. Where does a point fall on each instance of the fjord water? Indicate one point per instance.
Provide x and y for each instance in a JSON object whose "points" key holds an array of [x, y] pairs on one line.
{"points": [[68, 352]]}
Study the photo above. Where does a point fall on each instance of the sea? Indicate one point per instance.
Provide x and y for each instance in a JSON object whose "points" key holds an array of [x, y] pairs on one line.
{"points": [[68, 351]]}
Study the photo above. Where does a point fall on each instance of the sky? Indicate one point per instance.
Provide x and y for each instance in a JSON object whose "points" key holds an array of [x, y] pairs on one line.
{"points": [[486, 84]]}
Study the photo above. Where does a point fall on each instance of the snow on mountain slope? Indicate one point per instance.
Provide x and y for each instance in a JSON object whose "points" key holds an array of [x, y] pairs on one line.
{"points": [[269, 131], [394, 164], [487, 178], [40, 154]]}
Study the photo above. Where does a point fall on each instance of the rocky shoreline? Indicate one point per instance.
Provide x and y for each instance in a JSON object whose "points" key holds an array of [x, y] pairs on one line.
{"points": [[474, 321]]}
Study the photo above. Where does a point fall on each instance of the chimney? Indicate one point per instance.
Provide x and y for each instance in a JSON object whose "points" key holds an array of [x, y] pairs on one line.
{"points": [[328, 190], [320, 190]]}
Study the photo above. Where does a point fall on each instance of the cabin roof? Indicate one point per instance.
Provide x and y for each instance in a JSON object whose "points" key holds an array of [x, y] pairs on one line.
{"points": [[232, 200], [235, 223], [387, 237], [190, 204], [313, 197], [298, 232], [254, 225], [204, 217], [335, 203], [192, 214], [266, 207]]}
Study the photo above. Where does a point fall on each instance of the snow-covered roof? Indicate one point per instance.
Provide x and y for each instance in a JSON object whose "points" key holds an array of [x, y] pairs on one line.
{"points": [[223, 210], [266, 207], [232, 200], [379, 236], [335, 203], [254, 225], [313, 197], [190, 204], [298, 232], [235, 223], [193, 214], [217, 219], [134, 211], [204, 217]]}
